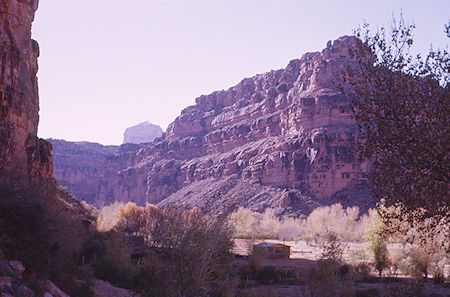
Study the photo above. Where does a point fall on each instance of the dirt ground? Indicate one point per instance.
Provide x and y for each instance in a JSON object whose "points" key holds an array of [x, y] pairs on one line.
{"points": [[429, 289]]}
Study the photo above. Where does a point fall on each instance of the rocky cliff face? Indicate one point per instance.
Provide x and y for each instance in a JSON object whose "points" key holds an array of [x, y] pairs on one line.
{"points": [[84, 167], [26, 172], [276, 139], [142, 133], [23, 157]]}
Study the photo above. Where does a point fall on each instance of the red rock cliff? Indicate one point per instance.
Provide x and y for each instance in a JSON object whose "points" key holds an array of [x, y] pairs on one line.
{"points": [[23, 157], [276, 139]]}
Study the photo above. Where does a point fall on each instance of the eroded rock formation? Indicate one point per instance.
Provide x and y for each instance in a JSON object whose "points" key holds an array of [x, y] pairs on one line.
{"points": [[142, 133], [276, 139], [23, 157], [84, 167]]}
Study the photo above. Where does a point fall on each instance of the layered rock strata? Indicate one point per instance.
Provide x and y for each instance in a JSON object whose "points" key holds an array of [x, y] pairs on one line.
{"points": [[86, 168], [23, 157], [276, 139], [283, 129]]}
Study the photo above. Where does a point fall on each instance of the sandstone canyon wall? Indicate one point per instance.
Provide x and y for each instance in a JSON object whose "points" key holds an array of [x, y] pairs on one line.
{"points": [[278, 139], [85, 167], [23, 157]]}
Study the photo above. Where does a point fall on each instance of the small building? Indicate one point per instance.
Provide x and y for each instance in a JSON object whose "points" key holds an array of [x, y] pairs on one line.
{"points": [[273, 250]]}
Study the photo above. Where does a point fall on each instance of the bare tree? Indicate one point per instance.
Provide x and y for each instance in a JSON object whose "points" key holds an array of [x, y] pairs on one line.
{"points": [[188, 252]]}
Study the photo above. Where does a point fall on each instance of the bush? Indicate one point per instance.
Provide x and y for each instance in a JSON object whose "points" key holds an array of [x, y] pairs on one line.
{"points": [[268, 275], [346, 223], [188, 252], [39, 229], [362, 272], [331, 248], [115, 265]]}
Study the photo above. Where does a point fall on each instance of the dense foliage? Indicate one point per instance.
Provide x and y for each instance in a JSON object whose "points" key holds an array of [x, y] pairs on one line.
{"points": [[347, 223], [179, 253], [401, 103]]}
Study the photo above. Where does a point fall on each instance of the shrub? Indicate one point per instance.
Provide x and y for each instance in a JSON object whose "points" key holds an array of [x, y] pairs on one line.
{"points": [[39, 229], [267, 275], [256, 259], [115, 265], [362, 272], [381, 256], [346, 223], [329, 260], [188, 253], [331, 248]]}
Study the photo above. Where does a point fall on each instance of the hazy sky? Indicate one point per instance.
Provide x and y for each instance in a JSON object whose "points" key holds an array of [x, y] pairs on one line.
{"points": [[106, 65]]}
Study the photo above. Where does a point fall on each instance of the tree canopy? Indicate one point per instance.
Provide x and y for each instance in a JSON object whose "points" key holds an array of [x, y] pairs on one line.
{"points": [[401, 104]]}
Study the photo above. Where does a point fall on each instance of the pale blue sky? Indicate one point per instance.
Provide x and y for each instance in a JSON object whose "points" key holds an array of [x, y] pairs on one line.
{"points": [[106, 65]]}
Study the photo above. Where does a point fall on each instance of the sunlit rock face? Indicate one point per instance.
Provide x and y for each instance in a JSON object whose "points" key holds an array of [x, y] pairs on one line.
{"points": [[142, 133], [23, 157], [278, 139]]}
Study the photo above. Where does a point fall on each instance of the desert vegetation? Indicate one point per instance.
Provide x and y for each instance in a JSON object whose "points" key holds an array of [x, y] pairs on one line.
{"points": [[169, 252], [176, 253], [38, 228], [338, 226], [347, 249], [346, 223]]}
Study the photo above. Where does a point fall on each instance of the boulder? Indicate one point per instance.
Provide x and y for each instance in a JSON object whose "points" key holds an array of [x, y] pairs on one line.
{"points": [[17, 266]]}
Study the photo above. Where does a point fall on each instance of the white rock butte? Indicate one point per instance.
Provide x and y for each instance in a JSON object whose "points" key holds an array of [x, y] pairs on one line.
{"points": [[142, 133]]}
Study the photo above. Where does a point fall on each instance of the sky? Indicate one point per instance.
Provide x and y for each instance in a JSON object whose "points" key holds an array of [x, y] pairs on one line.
{"points": [[106, 65]]}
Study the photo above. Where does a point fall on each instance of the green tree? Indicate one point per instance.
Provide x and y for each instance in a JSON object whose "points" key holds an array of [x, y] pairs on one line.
{"points": [[378, 238]]}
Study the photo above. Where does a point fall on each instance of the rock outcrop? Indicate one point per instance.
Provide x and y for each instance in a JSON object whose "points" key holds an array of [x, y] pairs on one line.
{"points": [[83, 167], [25, 160], [142, 133], [23, 157], [276, 139], [12, 282]]}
